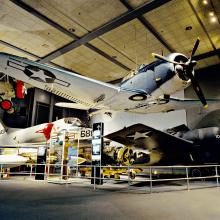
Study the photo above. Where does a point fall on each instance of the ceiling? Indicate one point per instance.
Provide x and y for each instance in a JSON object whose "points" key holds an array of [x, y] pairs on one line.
{"points": [[106, 39]]}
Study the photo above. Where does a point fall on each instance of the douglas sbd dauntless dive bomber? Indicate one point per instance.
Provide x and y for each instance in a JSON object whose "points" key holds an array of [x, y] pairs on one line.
{"points": [[147, 90]]}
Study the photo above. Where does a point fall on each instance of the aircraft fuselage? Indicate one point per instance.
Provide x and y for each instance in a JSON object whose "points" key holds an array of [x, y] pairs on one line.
{"points": [[157, 78]]}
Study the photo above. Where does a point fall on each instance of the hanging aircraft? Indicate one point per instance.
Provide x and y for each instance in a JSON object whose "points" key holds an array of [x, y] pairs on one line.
{"points": [[144, 145], [146, 90]]}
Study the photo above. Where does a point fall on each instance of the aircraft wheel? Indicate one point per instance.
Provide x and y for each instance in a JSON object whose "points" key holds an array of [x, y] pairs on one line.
{"points": [[132, 175]]}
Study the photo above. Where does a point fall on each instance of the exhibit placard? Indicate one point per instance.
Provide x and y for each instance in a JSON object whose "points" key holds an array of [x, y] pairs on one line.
{"points": [[97, 141]]}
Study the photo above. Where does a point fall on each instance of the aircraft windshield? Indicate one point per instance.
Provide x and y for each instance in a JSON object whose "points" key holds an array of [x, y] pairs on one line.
{"points": [[73, 121], [129, 75], [132, 73]]}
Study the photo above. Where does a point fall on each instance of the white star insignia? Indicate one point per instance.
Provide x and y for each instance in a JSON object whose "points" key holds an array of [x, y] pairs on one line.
{"points": [[40, 74], [138, 135]]}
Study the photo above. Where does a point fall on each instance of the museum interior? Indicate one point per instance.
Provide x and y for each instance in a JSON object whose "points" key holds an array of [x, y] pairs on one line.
{"points": [[109, 89], [109, 109]]}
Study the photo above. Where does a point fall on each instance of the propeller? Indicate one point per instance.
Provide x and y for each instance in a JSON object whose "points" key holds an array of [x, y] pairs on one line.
{"points": [[188, 69]]}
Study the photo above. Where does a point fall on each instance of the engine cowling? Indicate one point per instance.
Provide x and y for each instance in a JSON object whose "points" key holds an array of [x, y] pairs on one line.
{"points": [[179, 69]]}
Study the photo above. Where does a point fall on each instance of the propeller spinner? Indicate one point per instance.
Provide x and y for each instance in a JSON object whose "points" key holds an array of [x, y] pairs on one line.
{"points": [[188, 69]]}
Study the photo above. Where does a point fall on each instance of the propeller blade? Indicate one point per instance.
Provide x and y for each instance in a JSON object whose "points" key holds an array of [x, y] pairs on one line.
{"points": [[195, 48], [197, 89], [164, 58]]}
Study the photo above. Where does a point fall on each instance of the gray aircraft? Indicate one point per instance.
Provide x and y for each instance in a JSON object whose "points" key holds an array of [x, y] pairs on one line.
{"points": [[145, 90]]}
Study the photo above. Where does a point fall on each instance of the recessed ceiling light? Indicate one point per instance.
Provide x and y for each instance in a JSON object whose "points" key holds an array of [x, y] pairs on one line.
{"points": [[205, 2], [211, 13], [213, 19], [45, 45], [72, 29], [188, 28]]}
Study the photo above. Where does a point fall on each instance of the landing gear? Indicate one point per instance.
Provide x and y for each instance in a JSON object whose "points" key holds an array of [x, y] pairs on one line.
{"points": [[132, 174], [164, 100]]}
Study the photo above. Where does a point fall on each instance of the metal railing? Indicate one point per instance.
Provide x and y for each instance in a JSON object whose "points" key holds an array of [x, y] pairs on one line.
{"points": [[151, 177]]}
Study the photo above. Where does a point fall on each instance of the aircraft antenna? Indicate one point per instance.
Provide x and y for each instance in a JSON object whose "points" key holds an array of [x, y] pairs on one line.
{"points": [[135, 47], [146, 47]]}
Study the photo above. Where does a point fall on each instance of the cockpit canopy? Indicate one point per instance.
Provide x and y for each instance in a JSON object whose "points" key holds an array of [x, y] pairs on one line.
{"points": [[142, 68], [133, 73], [129, 75], [73, 121]]}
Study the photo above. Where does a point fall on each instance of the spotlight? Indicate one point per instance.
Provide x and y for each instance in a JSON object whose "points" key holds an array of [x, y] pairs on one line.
{"points": [[213, 19], [211, 13], [205, 2], [188, 28]]}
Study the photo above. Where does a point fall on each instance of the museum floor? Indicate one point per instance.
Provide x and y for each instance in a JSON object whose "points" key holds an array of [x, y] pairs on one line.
{"points": [[40, 200]]}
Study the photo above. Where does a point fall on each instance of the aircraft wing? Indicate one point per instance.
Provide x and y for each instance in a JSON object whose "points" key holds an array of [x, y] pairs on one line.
{"points": [[84, 91], [24, 145], [145, 137], [163, 105], [74, 87]]}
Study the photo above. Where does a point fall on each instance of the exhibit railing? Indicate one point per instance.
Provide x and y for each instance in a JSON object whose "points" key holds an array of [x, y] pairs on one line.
{"points": [[149, 178]]}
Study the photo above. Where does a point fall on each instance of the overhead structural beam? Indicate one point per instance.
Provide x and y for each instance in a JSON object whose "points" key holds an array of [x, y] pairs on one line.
{"points": [[34, 56], [126, 17], [19, 49], [197, 57], [202, 25], [149, 27], [207, 55], [58, 52]]}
